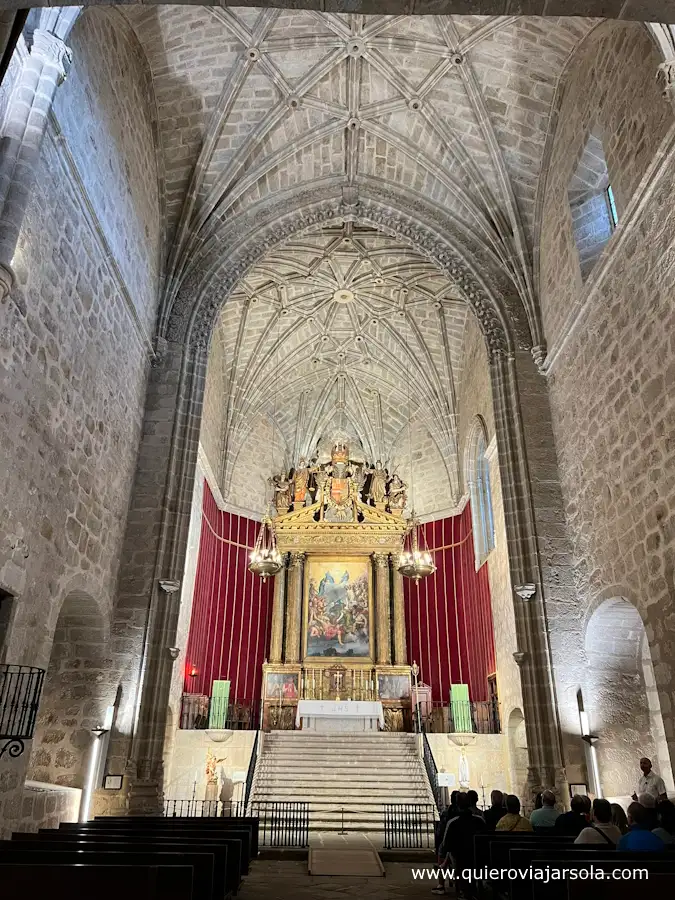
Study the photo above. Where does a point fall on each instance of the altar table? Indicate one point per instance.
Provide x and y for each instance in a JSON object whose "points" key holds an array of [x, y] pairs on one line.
{"points": [[339, 715]]}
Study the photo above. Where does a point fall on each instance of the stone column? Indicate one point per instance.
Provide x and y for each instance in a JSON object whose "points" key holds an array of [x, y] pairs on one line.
{"points": [[534, 519], [400, 651], [44, 68], [294, 608], [383, 632], [278, 615]]}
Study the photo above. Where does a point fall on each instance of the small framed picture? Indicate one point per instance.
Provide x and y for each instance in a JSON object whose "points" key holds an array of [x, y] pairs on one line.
{"points": [[112, 783], [581, 789]]}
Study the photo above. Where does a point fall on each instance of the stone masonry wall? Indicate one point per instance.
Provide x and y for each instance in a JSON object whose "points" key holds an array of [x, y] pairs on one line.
{"points": [[73, 368], [610, 89], [475, 399], [613, 408]]}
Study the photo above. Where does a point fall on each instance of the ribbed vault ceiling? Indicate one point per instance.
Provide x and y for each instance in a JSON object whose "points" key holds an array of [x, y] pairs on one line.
{"points": [[342, 330], [454, 110]]}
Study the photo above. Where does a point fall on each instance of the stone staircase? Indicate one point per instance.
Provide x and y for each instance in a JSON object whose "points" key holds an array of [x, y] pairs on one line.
{"points": [[357, 772]]}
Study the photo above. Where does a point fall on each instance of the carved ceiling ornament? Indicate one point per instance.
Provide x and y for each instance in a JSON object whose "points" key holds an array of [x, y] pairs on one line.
{"points": [[209, 283]]}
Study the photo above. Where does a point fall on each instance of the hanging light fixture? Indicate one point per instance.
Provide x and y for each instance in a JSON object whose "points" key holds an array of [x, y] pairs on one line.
{"points": [[265, 558], [414, 562]]}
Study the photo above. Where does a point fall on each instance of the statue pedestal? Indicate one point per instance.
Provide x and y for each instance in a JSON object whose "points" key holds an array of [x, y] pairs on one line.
{"points": [[211, 792]]}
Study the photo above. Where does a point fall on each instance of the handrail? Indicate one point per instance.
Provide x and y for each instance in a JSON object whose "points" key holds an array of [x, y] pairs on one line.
{"points": [[250, 774], [432, 771]]}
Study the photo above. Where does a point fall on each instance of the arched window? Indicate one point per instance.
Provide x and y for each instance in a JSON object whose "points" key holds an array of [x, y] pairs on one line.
{"points": [[478, 482]]}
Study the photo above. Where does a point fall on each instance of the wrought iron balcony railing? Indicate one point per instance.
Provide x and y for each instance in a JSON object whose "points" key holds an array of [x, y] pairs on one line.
{"points": [[199, 711], [459, 717], [20, 689]]}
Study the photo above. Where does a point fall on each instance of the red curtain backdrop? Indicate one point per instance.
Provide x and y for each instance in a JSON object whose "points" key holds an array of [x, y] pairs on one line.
{"points": [[449, 614], [232, 609]]}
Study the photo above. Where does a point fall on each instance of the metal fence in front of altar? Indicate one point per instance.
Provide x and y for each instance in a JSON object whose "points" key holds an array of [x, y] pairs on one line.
{"points": [[409, 826], [281, 823], [458, 717]]}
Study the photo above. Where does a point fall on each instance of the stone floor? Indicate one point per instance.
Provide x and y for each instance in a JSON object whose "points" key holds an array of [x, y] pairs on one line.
{"points": [[281, 880]]}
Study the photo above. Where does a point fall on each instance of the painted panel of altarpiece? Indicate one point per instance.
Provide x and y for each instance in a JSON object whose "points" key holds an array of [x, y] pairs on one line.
{"points": [[338, 610]]}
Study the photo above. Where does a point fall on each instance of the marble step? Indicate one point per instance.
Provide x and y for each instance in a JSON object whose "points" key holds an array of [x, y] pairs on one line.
{"points": [[395, 738], [309, 776], [383, 794]]}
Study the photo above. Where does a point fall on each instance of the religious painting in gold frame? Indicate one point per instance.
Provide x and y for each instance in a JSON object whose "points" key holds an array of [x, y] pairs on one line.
{"points": [[338, 608]]}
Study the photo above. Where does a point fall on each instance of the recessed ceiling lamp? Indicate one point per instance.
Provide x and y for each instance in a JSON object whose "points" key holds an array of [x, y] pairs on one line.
{"points": [[343, 295]]}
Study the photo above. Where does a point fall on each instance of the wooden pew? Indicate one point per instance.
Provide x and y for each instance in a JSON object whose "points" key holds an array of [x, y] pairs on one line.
{"points": [[581, 857], [491, 850], [224, 858], [69, 879], [236, 842], [226, 822]]}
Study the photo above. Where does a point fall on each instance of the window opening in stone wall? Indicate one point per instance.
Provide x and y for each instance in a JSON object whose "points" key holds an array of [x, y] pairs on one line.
{"points": [[592, 204], [481, 501], [611, 203], [6, 600]]}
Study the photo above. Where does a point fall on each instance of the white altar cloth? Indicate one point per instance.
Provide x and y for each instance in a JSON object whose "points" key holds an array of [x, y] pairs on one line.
{"points": [[339, 715]]}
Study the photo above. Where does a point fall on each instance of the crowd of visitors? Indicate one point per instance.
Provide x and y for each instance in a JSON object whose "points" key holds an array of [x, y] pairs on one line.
{"points": [[648, 825]]}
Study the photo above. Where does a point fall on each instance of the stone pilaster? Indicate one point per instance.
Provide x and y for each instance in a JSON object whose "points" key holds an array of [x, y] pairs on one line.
{"points": [[400, 650], [294, 608], [382, 619], [43, 69], [278, 615], [533, 516]]}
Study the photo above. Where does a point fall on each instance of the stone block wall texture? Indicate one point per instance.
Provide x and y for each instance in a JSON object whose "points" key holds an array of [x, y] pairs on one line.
{"points": [[44, 806], [73, 369], [609, 89], [610, 383]]}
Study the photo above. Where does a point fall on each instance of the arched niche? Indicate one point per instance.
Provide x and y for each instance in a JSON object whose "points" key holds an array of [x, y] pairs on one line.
{"points": [[75, 694], [621, 698]]}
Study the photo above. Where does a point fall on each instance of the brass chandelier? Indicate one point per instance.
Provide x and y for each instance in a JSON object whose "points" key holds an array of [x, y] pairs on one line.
{"points": [[265, 560], [415, 563]]}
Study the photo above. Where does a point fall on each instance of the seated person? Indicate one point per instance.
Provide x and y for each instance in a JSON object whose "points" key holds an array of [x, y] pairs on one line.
{"points": [[639, 837], [601, 830], [572, 822], [496, 812], [513, 821], [665, 813], [546, 816]]}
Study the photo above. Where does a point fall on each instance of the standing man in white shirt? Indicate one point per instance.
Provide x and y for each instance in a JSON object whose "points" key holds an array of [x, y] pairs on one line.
{"points": [[650, 782]]}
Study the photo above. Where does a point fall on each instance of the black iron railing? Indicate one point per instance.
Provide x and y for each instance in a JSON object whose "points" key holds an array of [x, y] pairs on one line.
{"points": [[281, 823], [409, 826], [20, 689], [459, 716], [251, 769], [199, 711], [432, 772]]}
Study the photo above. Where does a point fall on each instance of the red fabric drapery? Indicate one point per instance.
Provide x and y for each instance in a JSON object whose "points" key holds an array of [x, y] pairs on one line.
{"points": [[449, 614], [232, 609]]}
